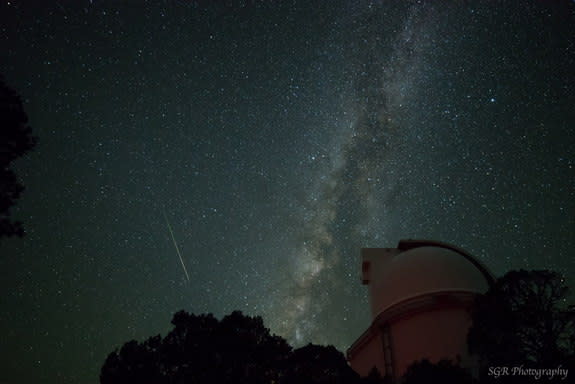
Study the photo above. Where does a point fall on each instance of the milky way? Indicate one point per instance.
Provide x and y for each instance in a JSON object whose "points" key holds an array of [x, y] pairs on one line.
{"points": [[356, 186]]}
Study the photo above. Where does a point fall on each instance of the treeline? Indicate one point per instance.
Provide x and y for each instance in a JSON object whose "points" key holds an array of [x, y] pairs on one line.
{"points": [[238, 349], [522, 321]]}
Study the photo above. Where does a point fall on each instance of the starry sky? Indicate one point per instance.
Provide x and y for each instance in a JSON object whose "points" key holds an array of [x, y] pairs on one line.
{"points": [[274, 139]]}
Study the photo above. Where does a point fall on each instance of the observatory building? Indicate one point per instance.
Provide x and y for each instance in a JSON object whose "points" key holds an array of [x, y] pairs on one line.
{"points": [[420, 295]]}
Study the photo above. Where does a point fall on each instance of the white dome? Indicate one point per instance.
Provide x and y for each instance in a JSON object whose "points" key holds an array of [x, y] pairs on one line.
{"points": [[416, 268]]}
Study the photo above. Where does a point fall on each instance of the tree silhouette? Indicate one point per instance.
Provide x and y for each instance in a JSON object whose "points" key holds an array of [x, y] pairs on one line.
{"points": [[315, 364], [15, 140], [237, 349], [374, 377], [523, 319], [444, 372]]}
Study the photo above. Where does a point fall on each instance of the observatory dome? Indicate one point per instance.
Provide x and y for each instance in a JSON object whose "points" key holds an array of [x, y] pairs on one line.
{"points": [[421, 294], [418, 268]]}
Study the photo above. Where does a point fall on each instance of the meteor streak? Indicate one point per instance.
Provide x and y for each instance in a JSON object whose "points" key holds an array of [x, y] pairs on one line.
{"points": [[176, 245]]}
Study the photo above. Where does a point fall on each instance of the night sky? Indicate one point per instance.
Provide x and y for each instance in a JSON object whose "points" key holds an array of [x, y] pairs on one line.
{"points": [[275, 139]]}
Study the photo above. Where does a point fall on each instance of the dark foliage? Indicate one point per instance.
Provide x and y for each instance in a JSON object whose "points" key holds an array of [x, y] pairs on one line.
{"points": [[314, 364], [237, 349], [15, 140], [523, 319], [444, 372], [374, 377]]}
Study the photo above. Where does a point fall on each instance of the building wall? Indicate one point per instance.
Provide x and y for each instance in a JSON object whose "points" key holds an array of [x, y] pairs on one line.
{"points": [[370, 355], [433, 335]]}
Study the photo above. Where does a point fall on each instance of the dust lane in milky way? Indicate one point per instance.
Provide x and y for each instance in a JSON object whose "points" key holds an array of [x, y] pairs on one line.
{"points": [[341, 213]]}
